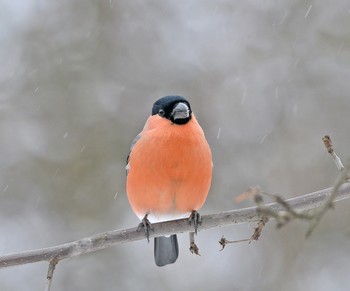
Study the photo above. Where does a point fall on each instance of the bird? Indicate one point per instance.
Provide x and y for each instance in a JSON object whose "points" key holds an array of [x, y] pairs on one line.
{"points": [[169, 170]]}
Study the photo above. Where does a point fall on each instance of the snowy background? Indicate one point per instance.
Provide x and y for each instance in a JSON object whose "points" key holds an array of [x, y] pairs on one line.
{"points": [[266, 79]]}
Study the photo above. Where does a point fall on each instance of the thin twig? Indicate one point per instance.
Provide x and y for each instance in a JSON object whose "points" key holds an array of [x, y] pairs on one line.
{"points": [[330, 200], [52, 265], [289, 212], [342, 178], [110, 238], [193, 247], [329, 146], [257, 232]]}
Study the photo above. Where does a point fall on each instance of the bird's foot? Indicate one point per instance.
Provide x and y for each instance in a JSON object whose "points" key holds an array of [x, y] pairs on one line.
{"points": [[146, 226], [196, 219]]}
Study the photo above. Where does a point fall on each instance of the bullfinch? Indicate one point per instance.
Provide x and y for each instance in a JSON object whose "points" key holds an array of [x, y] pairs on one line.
{"points": [[169, 170]]}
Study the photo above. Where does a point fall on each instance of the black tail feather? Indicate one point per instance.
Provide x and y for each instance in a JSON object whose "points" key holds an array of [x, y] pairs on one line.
{"points": [[166, 250]]}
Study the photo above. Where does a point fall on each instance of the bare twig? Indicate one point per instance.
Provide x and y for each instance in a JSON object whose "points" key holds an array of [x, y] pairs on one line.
{"points": [[110, 238], [329, 146], [289, 212], [223, 242], [283, 216], [342, 178], [330, 200], [257, 232], [193, 247], [52, 265]]}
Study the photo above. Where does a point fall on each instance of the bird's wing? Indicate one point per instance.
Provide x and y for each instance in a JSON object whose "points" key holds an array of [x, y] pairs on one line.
{"points": [[131, 147]]}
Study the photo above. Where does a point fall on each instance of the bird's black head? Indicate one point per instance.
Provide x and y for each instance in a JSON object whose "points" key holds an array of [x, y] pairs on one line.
{"points": [[175, 108]]}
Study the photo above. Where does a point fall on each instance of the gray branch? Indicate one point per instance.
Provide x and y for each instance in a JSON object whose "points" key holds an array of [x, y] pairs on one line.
{"points": [[110, 238]]}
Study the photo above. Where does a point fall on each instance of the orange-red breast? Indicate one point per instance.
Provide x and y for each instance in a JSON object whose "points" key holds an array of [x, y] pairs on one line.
{"points": [[169, 169]]}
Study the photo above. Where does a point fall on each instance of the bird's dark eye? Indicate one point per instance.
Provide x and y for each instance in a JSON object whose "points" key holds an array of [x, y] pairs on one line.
{"points": [[161, 112]]}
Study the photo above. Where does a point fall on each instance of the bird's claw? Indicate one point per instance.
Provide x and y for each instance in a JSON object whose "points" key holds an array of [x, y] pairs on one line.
{"points": [[196, 219], [146, 225]]}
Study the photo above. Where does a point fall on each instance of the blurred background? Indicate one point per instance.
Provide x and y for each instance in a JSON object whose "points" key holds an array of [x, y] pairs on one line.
{"points": [[266, 80]]}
